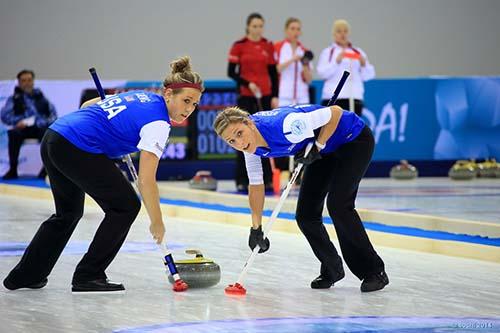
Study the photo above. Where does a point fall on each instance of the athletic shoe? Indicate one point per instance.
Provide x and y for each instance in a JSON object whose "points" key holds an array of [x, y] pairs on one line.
{"points": [[97, 286], [375, 282], [325, 281], [12, 286], [10, 175]]}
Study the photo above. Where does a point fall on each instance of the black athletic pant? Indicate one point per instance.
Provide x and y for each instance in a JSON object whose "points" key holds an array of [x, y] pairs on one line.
{"points": [[73, 173], [338, 175], [250, 104], [344, 104], [16, 138]]}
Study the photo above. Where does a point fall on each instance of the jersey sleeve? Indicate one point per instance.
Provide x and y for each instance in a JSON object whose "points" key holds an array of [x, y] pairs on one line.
{"points": [[235, 53], [254, 169], [154, 137], [299, 126]]}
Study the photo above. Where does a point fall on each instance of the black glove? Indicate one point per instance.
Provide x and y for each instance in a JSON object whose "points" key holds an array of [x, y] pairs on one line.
{"points": [[257, 238], [310, 158], [307, 57]]}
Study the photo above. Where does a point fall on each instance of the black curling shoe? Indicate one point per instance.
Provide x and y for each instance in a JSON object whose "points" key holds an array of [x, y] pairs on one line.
{"points": [[97, 286], [325, 281], [37, 285], [374, 282]]}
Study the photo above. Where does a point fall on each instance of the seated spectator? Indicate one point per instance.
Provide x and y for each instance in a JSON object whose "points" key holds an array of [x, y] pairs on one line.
{"points": [[27, 114]]}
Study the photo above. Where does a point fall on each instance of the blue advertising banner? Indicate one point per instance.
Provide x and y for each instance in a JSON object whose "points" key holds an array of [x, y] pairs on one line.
{"points": [[401, 114], [468, 112], [434, 118]]}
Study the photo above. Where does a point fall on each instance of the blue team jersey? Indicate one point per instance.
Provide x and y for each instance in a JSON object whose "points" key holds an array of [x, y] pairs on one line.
{"points": [[113, 125], [280, 133]]}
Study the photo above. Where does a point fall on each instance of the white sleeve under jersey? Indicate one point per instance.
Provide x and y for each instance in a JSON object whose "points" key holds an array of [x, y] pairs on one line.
{"points": [[297, 126], [154, 137], [254, 169]]}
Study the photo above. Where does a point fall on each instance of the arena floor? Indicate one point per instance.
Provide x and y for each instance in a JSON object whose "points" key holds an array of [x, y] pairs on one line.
{"points": [[428, 292]]}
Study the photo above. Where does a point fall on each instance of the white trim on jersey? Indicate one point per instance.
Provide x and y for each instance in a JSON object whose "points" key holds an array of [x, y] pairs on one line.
{"points": [[154, 137], [254, 169]]}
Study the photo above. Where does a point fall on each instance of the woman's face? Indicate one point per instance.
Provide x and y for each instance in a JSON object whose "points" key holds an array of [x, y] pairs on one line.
{"points": [[241, 136], [293, 31], [256, 28], [341, 35], [181, 105]]}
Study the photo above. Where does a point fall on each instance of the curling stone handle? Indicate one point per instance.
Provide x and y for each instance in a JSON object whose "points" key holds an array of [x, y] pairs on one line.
{"points": [[197, 253]]}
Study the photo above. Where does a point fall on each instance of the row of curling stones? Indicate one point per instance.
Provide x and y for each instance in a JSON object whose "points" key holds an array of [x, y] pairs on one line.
{"points": [[465, 169], [490, 168], [404, 170], [203, 180], [198, 272]]}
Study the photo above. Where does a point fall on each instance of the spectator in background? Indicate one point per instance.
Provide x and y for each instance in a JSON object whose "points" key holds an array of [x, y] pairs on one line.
{"points": [[27, 114], [340, 56], [294, 66], [252, 66], [295, 69]]}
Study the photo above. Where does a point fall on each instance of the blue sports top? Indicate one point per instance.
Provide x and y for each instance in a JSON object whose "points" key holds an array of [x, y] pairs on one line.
{"points": [[288, 129], [119, 125]]}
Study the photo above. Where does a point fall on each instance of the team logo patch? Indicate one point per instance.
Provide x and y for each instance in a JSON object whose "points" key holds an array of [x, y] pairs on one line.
{"points": [[298, 126]]}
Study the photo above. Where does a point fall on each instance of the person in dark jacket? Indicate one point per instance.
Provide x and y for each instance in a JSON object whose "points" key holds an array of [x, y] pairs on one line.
{"points": [[27, 114]]}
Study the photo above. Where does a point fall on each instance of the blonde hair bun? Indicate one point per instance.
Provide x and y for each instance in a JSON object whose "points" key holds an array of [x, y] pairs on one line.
{"points": [[181, 65]]}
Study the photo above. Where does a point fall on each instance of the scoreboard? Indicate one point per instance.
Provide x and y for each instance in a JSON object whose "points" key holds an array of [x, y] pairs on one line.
{"points": [[193, 139], [205, 143]]}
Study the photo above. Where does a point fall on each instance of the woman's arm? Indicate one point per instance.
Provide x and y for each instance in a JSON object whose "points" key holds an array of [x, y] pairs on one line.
{"points": [[256, 190], [273, 75], [307, 73], [233, 74], [148, 164], [329, 128], [256, 195], [327, 68], [285, 64], [367, 70]]}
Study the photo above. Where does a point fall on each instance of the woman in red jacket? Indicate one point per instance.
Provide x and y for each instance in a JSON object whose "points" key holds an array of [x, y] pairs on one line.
{"points": [[253, 67]]}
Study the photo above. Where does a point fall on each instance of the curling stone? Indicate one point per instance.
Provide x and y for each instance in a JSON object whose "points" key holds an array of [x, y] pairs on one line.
{"points": [[404, 170], [463, 170], [489, 169], [203, 180], [199, 272]]}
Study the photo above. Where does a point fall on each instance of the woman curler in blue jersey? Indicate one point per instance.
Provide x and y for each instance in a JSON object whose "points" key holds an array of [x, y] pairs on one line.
{"points": [[335, 165], [78, 152]]}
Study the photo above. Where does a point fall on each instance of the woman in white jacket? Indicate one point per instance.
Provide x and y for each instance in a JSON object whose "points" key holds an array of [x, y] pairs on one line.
{"points": [[295, 68], [294, 65], [340, 56]]}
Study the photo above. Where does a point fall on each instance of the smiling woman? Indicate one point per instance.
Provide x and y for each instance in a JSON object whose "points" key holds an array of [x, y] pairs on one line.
{"points": [[78, 152]]}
